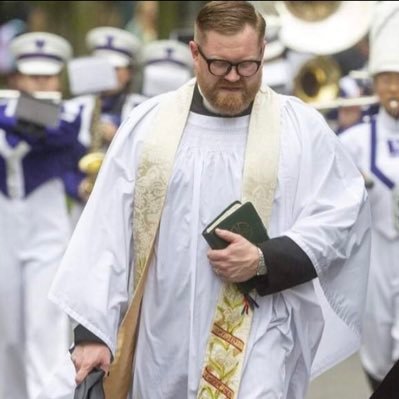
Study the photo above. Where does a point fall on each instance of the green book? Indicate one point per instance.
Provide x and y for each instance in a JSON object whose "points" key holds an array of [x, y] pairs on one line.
{"points": [[239, 218], [242, 219]]}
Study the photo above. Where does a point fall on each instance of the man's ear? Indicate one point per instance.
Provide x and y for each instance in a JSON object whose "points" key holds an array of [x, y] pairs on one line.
{"points": [[193, 49]]}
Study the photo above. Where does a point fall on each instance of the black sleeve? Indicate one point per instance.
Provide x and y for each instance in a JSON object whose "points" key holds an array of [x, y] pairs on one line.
{"points": [[82, 334], [389, 386], [287, 264]]}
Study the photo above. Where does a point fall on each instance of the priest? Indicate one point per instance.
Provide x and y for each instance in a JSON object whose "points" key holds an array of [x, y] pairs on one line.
{"points": [[160, 311]]}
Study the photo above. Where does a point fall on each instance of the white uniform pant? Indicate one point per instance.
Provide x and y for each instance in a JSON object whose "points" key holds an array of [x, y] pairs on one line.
{"points": [[34, 333], [382, 308]]}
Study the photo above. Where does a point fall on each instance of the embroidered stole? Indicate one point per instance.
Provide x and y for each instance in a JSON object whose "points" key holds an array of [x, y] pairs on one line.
{"points": [[230, 329]]}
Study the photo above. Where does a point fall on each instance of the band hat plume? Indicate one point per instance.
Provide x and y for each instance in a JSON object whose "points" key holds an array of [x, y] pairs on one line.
{"points": [[167, 64], [384, 43], [40, 53], [337, 32], [119, 46]]}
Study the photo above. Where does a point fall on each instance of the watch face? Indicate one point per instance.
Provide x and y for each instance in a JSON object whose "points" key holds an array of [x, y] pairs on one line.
{"points": [[261, 269]]}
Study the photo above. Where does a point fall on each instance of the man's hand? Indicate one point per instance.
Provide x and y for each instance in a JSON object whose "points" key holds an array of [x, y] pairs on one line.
{"points": [[236, 263], [108, 130], [84, 189], [89, 355]]}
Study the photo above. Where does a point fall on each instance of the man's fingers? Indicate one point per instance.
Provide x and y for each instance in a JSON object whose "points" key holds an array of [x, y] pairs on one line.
{"points": [[88, 356], [82, 373], [105, 368], [226, 235]]}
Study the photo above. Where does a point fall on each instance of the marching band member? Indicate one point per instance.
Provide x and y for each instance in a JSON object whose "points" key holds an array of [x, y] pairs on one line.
{"points": [[104, 112], [375, 149], [34, 334], [167, 64], [352, 115], [121, 49]]}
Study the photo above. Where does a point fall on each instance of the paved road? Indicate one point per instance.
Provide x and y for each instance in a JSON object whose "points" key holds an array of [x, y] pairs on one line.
{"points": [[345, 381]]}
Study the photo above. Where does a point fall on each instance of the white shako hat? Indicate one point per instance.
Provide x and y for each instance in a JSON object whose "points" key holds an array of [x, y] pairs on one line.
{"points": [[384, 38], [308, 26], [167, 51], [167, 64], [119, 46], [40, 53]]}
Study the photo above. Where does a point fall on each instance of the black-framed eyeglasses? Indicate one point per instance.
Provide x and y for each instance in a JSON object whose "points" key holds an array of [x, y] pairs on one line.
{"points": [[216, 67]]}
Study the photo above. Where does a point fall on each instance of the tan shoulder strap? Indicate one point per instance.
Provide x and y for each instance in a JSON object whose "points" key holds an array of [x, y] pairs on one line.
{"points": [[154, 171]]}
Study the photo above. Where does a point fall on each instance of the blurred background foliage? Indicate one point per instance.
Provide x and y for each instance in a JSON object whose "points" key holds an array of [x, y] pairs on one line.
{"points": [[148, 20], [72, 19]]}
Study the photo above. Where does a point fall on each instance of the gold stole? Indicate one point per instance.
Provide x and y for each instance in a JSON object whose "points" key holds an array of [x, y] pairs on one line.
{"points": [[230, 329]]}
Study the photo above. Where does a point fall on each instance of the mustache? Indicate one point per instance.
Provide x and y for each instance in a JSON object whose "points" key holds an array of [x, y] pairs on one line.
{"points": [[230, 86]]}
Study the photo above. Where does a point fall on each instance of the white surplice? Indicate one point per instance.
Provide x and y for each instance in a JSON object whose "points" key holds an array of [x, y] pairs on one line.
{"points": [[320, 203]]}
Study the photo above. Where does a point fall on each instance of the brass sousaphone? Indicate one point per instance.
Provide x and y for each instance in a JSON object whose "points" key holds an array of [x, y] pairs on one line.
{"points": [[317, 80], [322, 29]]}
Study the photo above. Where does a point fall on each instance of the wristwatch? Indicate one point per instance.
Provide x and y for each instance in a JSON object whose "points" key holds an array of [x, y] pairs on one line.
{"points": [[262, 269]]}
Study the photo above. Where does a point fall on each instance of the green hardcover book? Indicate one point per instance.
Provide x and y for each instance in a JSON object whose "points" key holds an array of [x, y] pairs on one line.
{"points": [[241, 219]]}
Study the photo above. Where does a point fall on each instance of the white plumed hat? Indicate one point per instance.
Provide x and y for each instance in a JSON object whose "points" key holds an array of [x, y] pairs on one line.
{"points": [[384, 38]]}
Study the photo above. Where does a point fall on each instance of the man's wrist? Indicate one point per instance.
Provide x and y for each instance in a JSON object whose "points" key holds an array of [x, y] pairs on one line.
{"points": [[262, 268]]}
